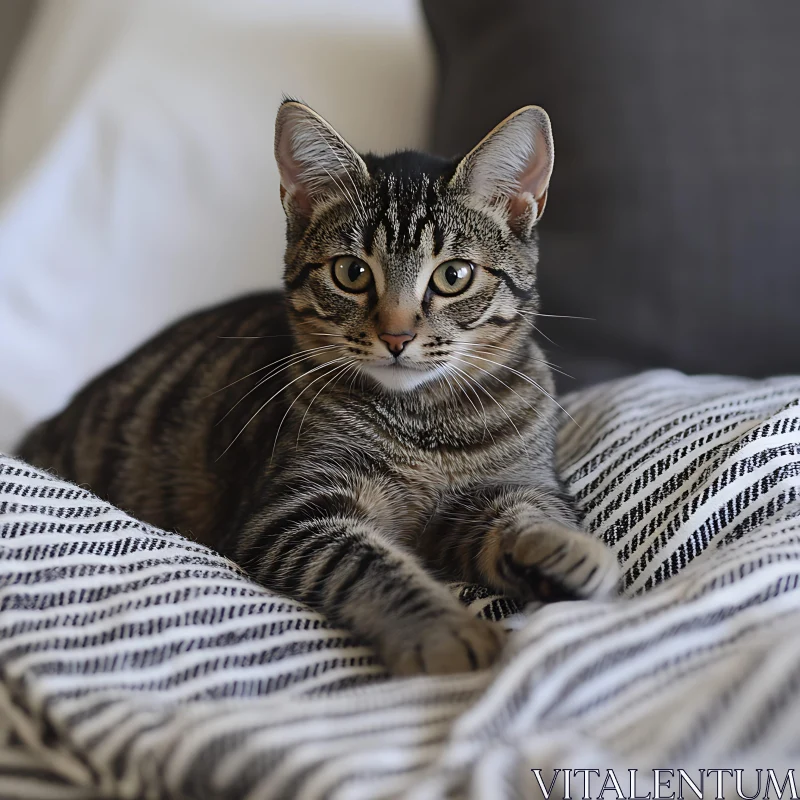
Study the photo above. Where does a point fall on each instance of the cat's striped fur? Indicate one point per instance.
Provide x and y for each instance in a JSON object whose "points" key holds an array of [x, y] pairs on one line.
{"points": [[341, 468]]}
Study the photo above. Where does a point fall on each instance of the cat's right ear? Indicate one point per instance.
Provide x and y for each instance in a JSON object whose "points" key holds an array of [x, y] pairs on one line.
{"points": [[313, 160]]}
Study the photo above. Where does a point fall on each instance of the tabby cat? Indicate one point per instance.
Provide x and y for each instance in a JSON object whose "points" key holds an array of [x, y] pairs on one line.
{"points": [[385, 422]]}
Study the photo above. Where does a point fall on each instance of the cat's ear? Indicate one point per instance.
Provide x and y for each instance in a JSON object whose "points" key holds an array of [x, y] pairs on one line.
{"points": [[313, 160], [512, 166]]}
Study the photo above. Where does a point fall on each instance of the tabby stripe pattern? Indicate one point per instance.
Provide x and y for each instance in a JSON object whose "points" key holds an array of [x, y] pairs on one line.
{"points": [[108, 627]]}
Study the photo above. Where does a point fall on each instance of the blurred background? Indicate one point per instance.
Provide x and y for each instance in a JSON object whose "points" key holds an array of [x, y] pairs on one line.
{"points": [[137, 181]]}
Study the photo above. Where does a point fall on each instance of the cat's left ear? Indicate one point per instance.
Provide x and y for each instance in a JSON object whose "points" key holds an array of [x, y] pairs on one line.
{"points": [[512, 166], [314, 161]]}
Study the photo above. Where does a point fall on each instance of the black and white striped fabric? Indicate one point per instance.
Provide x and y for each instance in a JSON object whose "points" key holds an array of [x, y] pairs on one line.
{"points": [[135, 664]]}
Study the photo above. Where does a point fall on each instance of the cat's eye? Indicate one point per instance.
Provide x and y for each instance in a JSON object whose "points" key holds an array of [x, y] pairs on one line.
{"points": [[351, 274], [452, 277]]}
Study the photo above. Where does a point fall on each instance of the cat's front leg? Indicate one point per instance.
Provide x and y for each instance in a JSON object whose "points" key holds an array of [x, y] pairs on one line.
{"points": [[523, 541], [324, 548]]}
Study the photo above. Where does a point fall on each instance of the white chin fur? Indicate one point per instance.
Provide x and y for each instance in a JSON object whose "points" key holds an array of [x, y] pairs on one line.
{"points": [[401, 379]]}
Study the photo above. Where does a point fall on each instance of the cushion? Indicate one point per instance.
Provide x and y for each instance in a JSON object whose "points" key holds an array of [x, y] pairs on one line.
{"points": [[138, 182], [672, 217], [135, 663]]}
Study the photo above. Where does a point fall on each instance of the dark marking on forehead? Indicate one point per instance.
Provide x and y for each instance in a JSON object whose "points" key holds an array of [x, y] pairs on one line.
{"points": [[432, 202], [379, 213], [355, 238], [368, 234], [420, 227], [407, 164], [428, 198], [438, 238], [405, 181]]}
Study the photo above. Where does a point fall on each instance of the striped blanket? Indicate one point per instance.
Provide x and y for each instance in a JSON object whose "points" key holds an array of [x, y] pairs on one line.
{"points": [[136, 664]]}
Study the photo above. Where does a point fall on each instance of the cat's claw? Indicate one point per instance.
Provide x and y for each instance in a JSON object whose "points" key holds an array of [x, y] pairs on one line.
{"points": [[554, 562], [458, 642]]}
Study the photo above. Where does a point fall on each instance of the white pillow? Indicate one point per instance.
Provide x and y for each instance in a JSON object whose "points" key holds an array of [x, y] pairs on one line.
{"points": [[137, 181]]}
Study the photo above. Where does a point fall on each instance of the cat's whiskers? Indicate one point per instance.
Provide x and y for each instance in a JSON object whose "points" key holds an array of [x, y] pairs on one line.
{"points": [[283, 388], [441, 382], [445, 378], [510, 389], [524, 314], [493, 346], [357, 374], [290, 362], [291, 405], [270, 375], [497, 403], [537, 329], [469, 384], [315, 333], [524, 377], [353, 369], [278, 336], [554, 316], [550, 364], [339, 372], [272, 363], [457, 378]]}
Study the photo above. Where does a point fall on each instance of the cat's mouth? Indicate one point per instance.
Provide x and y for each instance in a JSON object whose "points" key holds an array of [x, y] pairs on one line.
{"points": [[401, 376]]}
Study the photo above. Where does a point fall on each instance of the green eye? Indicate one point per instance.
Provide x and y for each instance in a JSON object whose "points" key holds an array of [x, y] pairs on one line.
{"points": [[452, 277], [351, 274]]}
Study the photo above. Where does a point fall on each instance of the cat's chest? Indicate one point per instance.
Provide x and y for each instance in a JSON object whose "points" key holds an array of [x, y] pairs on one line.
{"points": [[434, 452], [432, 472], [423, 478]]}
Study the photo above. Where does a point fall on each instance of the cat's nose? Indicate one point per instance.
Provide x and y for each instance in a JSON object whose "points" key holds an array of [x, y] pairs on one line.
{"points": [[396, 341]]}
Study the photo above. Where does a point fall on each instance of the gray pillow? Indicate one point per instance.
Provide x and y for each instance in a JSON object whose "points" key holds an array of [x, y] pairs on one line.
{"points": [[674, 212]]}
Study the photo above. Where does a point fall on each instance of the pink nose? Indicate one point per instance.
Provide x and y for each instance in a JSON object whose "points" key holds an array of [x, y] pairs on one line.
{"points": [[396, 341]]}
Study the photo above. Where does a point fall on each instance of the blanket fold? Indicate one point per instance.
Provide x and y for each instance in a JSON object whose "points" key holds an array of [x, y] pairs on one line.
{"points": [[134, 663]]}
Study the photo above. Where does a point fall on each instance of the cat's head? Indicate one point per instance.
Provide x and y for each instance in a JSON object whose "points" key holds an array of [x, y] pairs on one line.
{"points": [[410, 267]]}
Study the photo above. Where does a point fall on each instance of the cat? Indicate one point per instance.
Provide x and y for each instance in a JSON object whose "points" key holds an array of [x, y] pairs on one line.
{"points": [[385, 424]]}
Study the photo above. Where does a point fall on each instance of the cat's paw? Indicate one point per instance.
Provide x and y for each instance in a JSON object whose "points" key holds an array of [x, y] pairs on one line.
{"points": [[550, 561], [455, 642]]}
